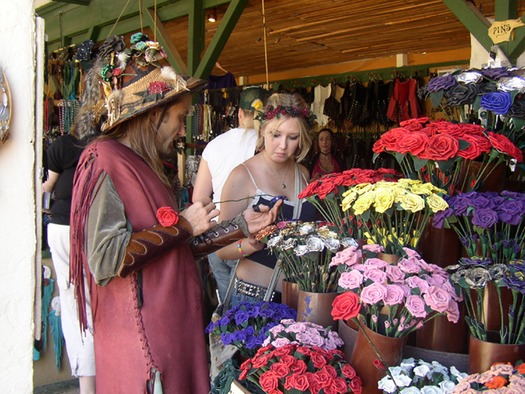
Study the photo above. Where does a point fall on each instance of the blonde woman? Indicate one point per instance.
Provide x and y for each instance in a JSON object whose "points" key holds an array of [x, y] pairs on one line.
{"points": [[273, 173]]}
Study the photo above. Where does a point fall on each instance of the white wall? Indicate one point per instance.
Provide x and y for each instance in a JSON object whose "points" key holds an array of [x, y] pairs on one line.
{"points": [[17, 203]]}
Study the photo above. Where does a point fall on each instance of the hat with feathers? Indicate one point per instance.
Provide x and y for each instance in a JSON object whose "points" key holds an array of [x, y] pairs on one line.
{"points": [[126, 82]]}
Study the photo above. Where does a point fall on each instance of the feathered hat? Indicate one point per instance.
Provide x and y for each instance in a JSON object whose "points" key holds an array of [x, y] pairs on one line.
{"points": [[126, 82]]}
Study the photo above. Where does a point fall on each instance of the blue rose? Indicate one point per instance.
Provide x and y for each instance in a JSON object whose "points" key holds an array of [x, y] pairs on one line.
{"points": [[497, 102], [485, 217]]}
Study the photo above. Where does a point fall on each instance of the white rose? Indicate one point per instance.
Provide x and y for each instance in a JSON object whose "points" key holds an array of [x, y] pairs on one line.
{"points": [[387, 385], [447, 386], [403, 381], [431, 390], [410, 390], [422, 370]]}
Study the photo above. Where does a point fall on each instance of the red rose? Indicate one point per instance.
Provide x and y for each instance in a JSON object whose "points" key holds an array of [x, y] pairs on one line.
{"points": [[283, 350], [288, 360], [324, 189], [348, 371], [280, 369], [441, 147], [297, 381], [299, 367], [309, 190], [323, 378], [470, 128], [414, 124], [340, 385], [478, 144], [414, 143], [346, 306], [167, 217], [387, 141], [356, 385], [504, 145], [158, 88], [318, 360], [268, 381]]}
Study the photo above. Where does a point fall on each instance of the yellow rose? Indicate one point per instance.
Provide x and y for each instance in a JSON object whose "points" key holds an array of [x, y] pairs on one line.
{"points": [[412, 202], [425, 188], [348, 198], [363, 203], [408, 182], [383, 200], [364, 188], [436, 203]]}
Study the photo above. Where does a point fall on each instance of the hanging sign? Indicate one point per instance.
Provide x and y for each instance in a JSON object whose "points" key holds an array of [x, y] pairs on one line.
{"points": [[5, 107], [501, 31]]}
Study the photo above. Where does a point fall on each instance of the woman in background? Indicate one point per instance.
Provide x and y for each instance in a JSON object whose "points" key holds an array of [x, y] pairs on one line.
{"points": [[324, 162]]}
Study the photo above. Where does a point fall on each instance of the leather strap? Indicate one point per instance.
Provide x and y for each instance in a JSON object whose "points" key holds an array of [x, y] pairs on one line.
{"points": [[224, 234], [150, 243]]}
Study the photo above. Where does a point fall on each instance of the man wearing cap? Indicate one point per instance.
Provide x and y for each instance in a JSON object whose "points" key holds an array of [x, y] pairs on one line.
{"points": [[219, 158], [128, 236]]}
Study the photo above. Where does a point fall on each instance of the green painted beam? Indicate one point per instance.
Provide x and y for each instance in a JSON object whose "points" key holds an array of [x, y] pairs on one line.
{"points": [[79, 2], [220, 38], [196, 21], [163, 38], [472, 19], [507, 9]]}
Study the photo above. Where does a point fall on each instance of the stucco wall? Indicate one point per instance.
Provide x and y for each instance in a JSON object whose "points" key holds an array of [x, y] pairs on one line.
{"points": [[17, 205]]}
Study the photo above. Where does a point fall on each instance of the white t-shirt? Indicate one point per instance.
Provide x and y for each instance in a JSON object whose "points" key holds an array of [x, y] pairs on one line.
{"points": [[224, 153]]}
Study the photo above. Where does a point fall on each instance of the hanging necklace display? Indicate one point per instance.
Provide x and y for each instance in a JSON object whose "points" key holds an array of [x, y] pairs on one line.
{"points": [[5, 107]]}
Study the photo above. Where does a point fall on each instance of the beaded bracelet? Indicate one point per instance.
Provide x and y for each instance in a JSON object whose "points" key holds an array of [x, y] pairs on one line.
{"points": [[239, 248]]}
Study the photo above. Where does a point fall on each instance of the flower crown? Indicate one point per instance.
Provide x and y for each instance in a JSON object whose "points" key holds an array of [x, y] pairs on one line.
{"points": [[295, 112]]}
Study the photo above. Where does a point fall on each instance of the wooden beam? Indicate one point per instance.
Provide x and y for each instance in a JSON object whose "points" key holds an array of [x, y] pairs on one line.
{"points": [[220, 38], [79, 2], [196, 33], [163, 38]]}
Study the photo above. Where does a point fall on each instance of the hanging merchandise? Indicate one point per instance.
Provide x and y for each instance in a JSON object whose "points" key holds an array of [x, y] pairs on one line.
{"points": [[56, 330], [403, 103], [48, 285], [321, 94]]}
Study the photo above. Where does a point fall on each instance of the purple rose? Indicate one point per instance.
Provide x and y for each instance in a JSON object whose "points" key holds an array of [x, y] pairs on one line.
{"points": [[394, 274], [497, 102], [511, 212], [415, 282], [459, 204], [440, 83], [410, 266], [485, 217]]}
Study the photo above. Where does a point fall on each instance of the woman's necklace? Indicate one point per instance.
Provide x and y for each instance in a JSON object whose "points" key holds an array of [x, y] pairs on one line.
{"points": [[283, 181], [328, 166]]}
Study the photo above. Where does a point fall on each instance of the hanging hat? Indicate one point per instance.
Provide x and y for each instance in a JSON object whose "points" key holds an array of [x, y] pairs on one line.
{"points": [[253, 98], [126, 82]]}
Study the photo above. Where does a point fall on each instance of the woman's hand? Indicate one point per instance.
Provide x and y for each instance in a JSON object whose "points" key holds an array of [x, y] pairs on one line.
{"points": [[200, 216], [263, 217]]}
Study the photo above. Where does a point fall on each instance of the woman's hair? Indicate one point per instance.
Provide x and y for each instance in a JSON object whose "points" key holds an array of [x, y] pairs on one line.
{"points": [[281, 107], [142, 133]]}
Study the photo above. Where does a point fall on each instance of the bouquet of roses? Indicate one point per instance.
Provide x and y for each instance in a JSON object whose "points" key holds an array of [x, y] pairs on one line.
{"points": [[471, 277], [246, 325], [303, 333], [305, 250], [500, 378], [394, 299], [326, 192], [394, 214], [489, 225], [294, 368], [452, 156], [419, 377]]}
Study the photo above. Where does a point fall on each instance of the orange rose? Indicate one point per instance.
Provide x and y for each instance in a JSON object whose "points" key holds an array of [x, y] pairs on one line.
{"points": [[521, 368], [496, 382]]}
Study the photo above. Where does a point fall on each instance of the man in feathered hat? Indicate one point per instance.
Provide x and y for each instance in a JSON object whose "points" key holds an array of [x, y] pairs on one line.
{"points": [[127, 234]]}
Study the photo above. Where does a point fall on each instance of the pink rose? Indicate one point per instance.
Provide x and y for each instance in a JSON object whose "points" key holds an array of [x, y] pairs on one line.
{"points": [[350, 280], [376, 263], [374, 248], [394, 295], [415, 282], [375, 275], [349, 256], [411, 252], [373, 293], [452, 312], [416, 306], [437, 299], [409, 266], [394, 273]]}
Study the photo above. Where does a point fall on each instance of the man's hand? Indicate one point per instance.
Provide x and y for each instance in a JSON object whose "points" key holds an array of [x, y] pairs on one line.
{"points": [[262, 217], [199, 216]]}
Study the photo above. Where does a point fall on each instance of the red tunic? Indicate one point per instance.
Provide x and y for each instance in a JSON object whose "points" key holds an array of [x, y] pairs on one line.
{"points": [[167, 330]]}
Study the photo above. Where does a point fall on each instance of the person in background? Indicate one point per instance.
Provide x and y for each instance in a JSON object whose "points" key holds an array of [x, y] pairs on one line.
{"points": [[220, 156], [271, 175], [127, 233], [62, 158], [324, 161]]}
